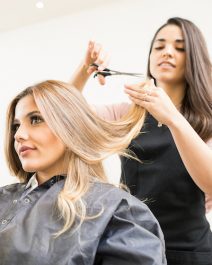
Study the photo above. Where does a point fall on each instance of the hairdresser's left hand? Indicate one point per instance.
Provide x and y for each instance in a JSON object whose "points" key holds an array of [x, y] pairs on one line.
{"points": [[96, 54], [154, 100]]}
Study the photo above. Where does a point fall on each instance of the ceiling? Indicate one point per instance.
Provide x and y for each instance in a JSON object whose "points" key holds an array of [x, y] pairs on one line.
{"points": [[18, 13]]}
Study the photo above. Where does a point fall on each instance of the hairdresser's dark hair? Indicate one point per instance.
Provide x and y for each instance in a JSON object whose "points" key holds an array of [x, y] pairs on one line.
{"points": [[197, 103]]}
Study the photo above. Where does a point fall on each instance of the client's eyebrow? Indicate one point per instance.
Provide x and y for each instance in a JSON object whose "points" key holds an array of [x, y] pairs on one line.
{"points": [[29, 114]]}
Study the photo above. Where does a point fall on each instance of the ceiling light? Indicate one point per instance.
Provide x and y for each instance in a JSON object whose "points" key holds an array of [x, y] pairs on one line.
{"points": [[40, 4]]}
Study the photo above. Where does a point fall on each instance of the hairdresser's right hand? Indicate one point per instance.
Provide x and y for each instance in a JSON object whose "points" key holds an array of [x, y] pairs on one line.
{"points": [[96, 54]]}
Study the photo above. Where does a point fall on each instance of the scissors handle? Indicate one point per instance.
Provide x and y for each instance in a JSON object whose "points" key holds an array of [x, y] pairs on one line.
{"points": [[107, 72], [96, 65], [103, 73]]}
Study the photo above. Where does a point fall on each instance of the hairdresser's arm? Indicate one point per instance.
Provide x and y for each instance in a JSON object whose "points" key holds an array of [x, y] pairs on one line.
{"points": [[94, 54], [195, 153], [80, 77]]}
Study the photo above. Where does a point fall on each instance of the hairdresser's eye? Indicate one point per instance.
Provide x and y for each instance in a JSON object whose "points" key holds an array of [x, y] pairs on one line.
{"points": [[15, 127], [35, 119], [159, 48]]}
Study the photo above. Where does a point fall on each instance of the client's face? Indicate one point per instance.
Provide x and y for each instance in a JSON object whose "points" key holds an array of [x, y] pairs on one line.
{"points": [[38, 149]]}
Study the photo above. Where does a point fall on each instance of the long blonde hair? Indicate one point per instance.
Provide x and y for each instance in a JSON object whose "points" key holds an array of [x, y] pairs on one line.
{"points": [[88, 139]]}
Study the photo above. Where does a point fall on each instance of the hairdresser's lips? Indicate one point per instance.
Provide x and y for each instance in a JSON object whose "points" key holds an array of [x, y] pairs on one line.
{"points": [[24, 150], [166, 65]]}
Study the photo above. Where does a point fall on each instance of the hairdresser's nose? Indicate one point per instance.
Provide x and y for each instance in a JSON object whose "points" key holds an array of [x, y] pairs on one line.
{"points": [[168, 51], [21, 134]]}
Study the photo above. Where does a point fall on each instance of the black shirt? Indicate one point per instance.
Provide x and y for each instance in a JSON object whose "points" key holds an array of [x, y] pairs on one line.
{"points": [[171, 194]]}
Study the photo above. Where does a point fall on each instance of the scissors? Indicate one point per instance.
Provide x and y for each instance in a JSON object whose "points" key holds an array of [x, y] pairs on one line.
{"points": [[109, 72]]}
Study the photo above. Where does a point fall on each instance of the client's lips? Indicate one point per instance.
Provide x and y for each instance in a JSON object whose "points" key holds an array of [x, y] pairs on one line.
{"points": [[25, 148]]}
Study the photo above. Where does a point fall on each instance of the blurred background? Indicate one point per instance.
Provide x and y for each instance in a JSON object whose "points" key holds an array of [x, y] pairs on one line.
{"points": [[47, 40]]}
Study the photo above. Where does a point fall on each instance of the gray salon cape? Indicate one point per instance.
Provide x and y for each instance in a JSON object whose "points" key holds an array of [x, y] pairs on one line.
{"points": [[126, 233]]}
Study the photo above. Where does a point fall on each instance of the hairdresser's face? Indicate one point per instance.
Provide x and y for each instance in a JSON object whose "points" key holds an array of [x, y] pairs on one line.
{"points": [[38, 149], [167, 58]]}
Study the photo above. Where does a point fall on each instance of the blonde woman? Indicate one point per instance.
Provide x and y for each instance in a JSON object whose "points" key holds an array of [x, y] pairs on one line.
{"points": [[64, 211]]}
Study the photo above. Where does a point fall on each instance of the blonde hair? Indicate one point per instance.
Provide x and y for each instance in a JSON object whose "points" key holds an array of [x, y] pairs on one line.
{"points": [[88, 139]]}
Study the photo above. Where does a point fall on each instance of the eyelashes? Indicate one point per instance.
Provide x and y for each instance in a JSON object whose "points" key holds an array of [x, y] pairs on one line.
{"points": [[33, 120], [178, 49], [36, 119]]}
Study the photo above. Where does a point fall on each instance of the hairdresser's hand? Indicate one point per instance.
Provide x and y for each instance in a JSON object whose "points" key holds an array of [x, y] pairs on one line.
{"points": [[154, 100], [96, 54]]}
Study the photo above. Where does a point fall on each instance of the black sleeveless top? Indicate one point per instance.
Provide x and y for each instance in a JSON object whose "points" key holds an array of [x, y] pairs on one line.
{"points": [[178, 204]]}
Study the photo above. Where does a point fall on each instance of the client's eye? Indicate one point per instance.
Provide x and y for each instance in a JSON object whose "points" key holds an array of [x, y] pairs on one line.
{"points": [[35, 119]]}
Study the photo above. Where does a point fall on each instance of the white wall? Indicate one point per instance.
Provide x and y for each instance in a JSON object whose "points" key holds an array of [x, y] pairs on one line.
{"points": [[53, 49]]}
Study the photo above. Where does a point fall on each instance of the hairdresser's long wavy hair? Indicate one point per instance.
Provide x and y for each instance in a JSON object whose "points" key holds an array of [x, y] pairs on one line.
{"points": [[88, 140], [197, 103]]}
